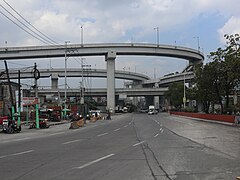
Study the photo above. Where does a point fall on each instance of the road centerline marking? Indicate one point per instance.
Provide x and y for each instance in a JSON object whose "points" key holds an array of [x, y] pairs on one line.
{"points": [[138, 143], [99, 135], [20, 153], [73, 141], [117, 129], [93, 162], [56, 133], [1, 157], [21, 139]]}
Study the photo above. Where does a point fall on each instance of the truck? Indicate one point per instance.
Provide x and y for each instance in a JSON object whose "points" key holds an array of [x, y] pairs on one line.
{"points": [[152, 110]]}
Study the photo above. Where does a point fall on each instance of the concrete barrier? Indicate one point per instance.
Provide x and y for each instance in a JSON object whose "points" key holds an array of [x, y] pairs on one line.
{"points": [[214, 117], [77, 124], [93, 119]]}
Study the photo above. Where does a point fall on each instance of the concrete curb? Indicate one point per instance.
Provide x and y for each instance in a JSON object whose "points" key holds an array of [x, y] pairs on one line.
{"points": [[58, 123], [206, 120]]}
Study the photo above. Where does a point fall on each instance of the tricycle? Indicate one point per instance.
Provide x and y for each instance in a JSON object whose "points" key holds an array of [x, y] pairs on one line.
{"points": [[10, 126]]}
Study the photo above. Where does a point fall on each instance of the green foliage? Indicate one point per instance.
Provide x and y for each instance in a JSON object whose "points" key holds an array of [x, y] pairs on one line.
{"points": [[218, 78], [204, 89], [175, 94]]}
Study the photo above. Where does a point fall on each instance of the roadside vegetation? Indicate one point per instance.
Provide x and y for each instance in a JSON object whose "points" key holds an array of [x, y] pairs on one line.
{"points": [[216, 82]]}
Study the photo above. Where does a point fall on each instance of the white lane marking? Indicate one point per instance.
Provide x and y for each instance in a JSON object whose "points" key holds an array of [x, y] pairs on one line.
{"points": [[117, 129], [95, 161], [56, 133], [125, 126], [73, 141], [102, 134], [156, 135], [2, 157], [162, 131], [20, 153], [16, 154], [138, 143], [130, 123], [21, 139]]}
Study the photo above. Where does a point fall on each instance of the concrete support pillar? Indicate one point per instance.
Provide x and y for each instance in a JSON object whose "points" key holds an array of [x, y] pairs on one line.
{"points": [[156, 102], [54, 81], [149, 100], [110, 58]]}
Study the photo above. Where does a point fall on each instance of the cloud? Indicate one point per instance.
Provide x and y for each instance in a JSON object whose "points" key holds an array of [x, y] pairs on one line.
{"points": [[120, 21], [232, 26]]}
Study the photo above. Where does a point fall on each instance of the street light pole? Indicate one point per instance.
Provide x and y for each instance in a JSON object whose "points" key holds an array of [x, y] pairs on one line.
{"points": [[197, 42], [65, 86], [82, 35], [184, 93], [157, 30], [124, 77]]}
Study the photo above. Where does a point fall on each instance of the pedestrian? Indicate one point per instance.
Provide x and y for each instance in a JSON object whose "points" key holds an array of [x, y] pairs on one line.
{"points": [[237, 120]]}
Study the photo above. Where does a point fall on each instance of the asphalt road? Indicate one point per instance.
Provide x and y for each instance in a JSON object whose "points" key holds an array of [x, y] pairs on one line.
{"points": [[131, 146]]}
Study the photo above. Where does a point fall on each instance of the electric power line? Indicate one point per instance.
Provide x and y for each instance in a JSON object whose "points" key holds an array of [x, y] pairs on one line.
{"points": [[26, 29], [30, 23], [22, 27]]}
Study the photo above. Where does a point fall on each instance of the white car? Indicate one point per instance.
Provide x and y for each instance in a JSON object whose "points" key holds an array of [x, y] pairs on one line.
{"points": [[152, 112]]}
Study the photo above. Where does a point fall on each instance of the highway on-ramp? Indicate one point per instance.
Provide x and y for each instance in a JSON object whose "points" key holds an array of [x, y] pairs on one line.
{"points": [[130, 146]]}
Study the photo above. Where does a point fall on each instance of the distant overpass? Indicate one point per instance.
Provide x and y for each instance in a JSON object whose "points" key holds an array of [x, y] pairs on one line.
{"points": [[167, 80], [100, 92], [76, 72]]}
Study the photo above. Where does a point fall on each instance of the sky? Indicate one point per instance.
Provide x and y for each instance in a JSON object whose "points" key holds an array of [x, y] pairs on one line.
{"points": [[180, 22]]}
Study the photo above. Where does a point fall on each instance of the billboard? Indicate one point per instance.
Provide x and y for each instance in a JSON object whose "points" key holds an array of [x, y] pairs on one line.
{"points": [[29, 101]]}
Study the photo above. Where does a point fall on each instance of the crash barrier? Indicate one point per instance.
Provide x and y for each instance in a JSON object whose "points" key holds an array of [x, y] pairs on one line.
{"points": [[214, 117], [77, 124], [93, 119]]}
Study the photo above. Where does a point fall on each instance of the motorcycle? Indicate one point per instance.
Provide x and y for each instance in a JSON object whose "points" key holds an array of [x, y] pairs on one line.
{"points": [[10, 126], [42, 124]]}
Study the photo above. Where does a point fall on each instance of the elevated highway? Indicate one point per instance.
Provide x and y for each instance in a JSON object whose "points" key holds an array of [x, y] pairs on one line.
{"points": [[109, 51], [75, 72], [136, 49], [167, 80], [101, 92]]}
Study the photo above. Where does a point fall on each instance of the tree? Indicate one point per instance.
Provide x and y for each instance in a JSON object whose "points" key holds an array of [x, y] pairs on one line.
{"points": [[217, 79], [175, 94], [204, 89], [226, 69]]}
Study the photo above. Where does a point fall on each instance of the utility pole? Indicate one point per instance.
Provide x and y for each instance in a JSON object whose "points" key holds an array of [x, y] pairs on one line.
{"points": [[36, 77], [10, 91], [82, 86], [65, 86], [19, 99], [82, 91]]}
